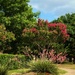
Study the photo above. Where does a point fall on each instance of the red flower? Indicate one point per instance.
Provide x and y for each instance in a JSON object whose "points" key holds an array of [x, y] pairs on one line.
{"points": [[52, 25], [34, 30]]}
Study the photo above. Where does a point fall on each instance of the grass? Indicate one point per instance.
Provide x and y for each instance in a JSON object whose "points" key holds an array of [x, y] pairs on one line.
{"points": [[22, 71], [10, 72], [69, 66], [61, 71]]}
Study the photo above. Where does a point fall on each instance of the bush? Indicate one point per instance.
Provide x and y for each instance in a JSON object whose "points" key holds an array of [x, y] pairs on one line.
{"points": [[3, 70], [43, 66], [53, 56], [13, 61]]}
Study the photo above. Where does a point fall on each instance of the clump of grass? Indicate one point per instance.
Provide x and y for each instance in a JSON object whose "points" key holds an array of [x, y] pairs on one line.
{"points": [[3, 70], [43, 66]]}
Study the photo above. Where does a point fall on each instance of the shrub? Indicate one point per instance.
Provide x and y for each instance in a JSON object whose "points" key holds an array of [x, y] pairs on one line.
{"points": [[43, 66], [45, 35], [3, 70], [13, 61]]}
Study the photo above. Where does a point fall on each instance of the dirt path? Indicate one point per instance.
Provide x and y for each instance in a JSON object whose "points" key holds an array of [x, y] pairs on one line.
{"points": [[69, 71]]}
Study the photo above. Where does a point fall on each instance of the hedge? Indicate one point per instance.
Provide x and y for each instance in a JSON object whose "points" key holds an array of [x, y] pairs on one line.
{"points": [[13, 61]]}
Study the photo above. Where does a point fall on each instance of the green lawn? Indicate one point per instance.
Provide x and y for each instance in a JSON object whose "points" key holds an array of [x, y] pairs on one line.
{"points": [[61, 71], [10, 72], [69, 66], [23, 71]]}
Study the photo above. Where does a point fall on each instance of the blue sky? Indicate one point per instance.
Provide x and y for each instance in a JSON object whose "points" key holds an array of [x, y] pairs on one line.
{"points": [[52, 9]]}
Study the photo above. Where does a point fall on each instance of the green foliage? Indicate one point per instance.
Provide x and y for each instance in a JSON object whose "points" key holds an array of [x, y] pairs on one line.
{"points": [[44, 66], [16, 15], [45, 35], [69, 20], [5, 37], [13, 61], [3, 70]]}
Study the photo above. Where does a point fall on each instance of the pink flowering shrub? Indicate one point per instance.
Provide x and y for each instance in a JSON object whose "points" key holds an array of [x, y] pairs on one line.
{"points": [[43, 36], [53, 56]]}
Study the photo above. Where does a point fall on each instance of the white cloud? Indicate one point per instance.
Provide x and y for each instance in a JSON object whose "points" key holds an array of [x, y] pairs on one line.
{"points": [[57, 7], [35, 6]]}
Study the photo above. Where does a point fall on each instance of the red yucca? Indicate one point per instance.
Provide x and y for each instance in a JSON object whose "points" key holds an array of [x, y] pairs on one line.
{"points": [[52, 56]]}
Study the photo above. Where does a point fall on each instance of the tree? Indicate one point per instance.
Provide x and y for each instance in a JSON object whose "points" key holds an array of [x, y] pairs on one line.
{"points": [[45, 35], [16, 15], [69, 20]]}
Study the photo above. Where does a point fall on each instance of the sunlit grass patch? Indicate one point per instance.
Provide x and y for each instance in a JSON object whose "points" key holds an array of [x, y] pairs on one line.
{"points": [[69, 66], [60, 71], [10, 72]]}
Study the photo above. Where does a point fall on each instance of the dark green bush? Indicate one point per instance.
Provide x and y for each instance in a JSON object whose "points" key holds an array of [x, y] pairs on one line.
{"points": [[13, 61], [44, 66], [3, 70]]}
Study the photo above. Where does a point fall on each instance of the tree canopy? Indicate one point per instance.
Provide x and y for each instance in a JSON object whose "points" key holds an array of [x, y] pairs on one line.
{"points": [[69, 20], [16, 15]]}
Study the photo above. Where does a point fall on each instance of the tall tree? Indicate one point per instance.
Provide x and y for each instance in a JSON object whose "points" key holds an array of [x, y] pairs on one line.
{"points": [[69, 20], [16, 15]]}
